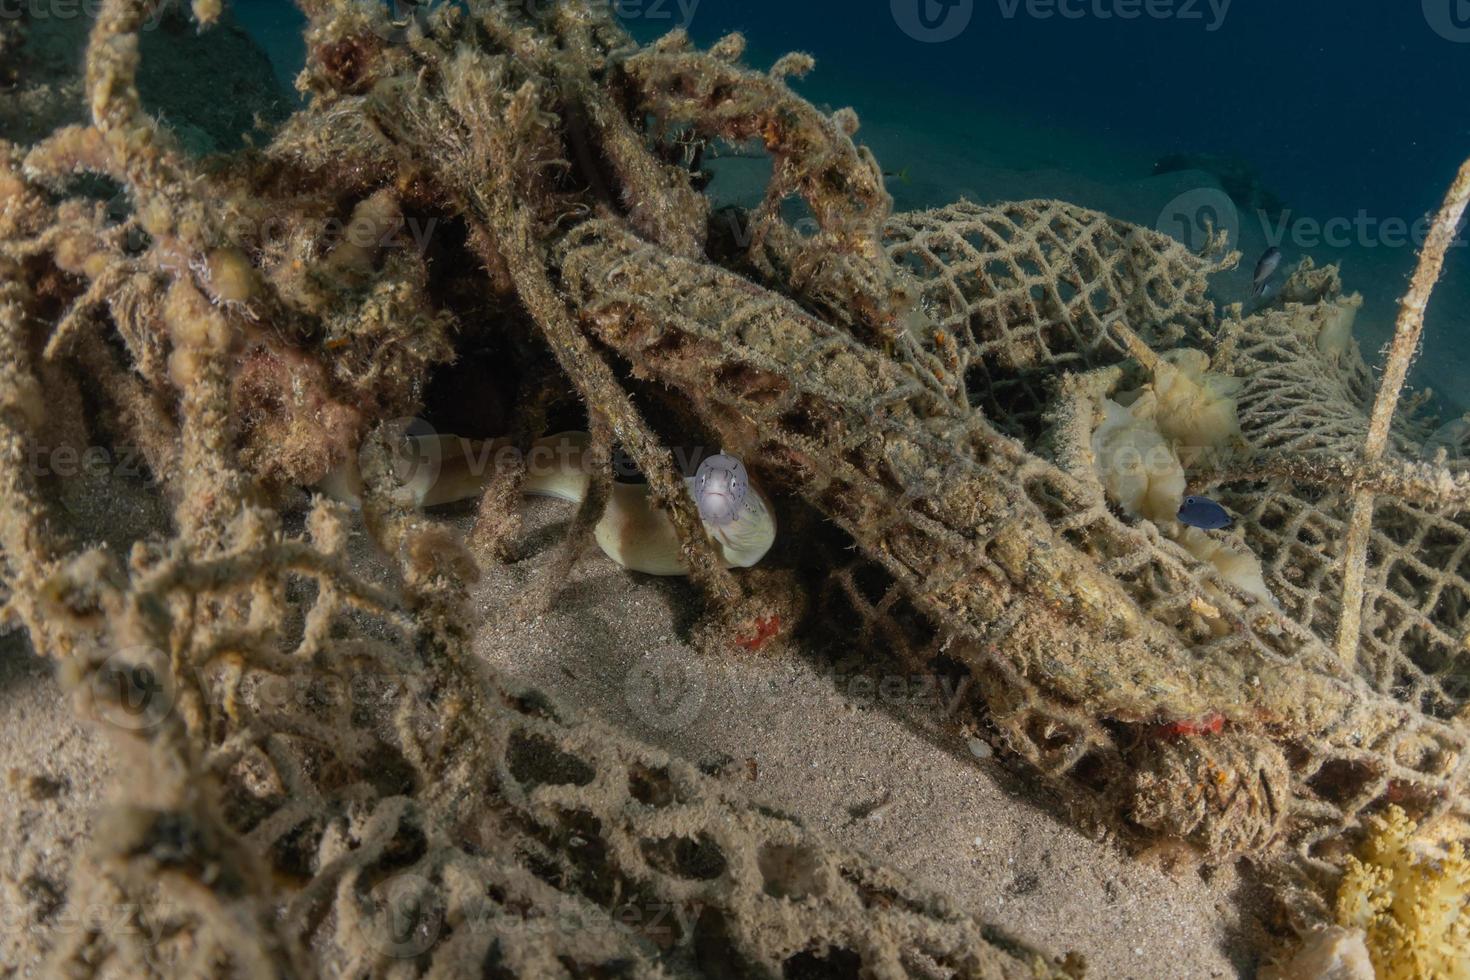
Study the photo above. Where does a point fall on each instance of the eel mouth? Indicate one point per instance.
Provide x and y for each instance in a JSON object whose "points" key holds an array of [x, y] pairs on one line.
{"points": [[719, 506]]}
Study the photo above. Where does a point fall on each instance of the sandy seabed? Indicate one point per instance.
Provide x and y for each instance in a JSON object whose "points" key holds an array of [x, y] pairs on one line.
{"points": [[846, 752]]}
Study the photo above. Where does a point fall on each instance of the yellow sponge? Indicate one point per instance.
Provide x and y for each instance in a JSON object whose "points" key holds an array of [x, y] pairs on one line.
{"points": [[1414, 908]]}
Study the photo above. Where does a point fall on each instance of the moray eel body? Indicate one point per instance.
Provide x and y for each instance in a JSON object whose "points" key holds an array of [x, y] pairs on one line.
{"points": [[440, 469]]}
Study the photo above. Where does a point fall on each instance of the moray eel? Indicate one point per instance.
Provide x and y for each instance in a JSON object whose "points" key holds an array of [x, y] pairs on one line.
{"points": [[440, 469]]}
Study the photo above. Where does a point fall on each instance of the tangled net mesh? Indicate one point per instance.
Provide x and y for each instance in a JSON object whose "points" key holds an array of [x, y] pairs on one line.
{"points": [[1304, 404], [1024, 291], [337, 787], [1418, 582], [346, 793], [1084, 632]]}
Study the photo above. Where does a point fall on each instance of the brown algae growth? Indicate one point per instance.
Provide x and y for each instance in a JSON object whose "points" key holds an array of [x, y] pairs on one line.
{"points": [[934, 386]]}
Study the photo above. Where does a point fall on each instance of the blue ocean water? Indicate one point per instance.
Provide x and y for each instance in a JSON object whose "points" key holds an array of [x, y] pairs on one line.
{"points": [[1351, 114]]}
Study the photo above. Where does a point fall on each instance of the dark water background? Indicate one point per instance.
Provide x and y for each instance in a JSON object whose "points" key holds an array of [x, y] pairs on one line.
{"points": [[1357, 110], [1346, 104]]}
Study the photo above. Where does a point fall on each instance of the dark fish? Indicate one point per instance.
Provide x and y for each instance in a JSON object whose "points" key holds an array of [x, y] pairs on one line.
{"points": [[1204, 513], [1265, 269]]}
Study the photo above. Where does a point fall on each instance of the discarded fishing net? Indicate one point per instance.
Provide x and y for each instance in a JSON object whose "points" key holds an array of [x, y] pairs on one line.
{"points": [[338, 789], [1304, 402], [1023, 291], [1304, 410], [1163, 700], [1297, 407], [871, 370], [1304, 406], [320, 778]]}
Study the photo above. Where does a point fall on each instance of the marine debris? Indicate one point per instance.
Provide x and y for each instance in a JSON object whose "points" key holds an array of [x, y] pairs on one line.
{"points": [[937, 386], [334, 785]]}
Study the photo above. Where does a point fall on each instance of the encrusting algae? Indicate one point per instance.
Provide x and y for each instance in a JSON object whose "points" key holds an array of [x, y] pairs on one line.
{"points": [[503, 192]]}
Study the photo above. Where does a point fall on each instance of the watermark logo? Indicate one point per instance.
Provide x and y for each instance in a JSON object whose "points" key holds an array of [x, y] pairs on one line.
{"points": [[1196, 216], [932, 21], [406, 917], [666, 690], [130, 690], [1450, 19], [415, 457], [1211, 13], [43, 10]]}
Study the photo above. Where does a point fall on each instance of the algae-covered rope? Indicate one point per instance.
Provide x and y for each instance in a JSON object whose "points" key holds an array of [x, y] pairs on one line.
{"points": [[1407, 331]]}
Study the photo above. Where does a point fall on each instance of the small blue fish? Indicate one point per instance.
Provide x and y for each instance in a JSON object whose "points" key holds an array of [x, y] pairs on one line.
{"points": [[1204, 513]]}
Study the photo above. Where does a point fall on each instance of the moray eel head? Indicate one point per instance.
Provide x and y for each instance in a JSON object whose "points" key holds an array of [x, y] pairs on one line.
{"points": [[720, 487]]}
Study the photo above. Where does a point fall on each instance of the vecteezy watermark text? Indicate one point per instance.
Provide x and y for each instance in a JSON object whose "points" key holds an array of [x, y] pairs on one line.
{"points": [[41, 10], [675, 13], [407, 231], [1196, 215], [668, 689], [410, 231], [937, 21], [1211, 13], [409, 915], [1362, 230], [133, 690], [65, 461], [1450, 19], [421, 454]]}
